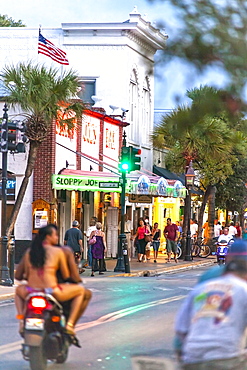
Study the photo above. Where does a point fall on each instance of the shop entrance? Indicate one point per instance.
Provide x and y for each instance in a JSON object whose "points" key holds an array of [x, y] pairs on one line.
{"points": [[112, 231]]}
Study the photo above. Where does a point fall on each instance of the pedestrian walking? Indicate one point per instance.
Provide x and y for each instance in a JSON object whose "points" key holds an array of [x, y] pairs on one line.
{"points": [[210, 326], [73, 237], [232, 229], [217, 229], [143, 237], [239, 230], [193, 228], [171, 235], [98, 245], [90, 229], [156, 234]]}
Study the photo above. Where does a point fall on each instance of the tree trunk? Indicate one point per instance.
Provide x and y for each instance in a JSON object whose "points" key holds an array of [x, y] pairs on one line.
{"points": [[202, 210], [211, 212], [32, 155], [227, 211]]}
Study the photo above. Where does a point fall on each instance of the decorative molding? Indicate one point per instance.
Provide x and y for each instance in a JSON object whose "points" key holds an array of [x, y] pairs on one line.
{"points": [[139, 41]]}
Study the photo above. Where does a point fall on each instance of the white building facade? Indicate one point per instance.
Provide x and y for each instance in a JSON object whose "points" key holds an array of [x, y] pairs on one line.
{"points": [[115, 62]]}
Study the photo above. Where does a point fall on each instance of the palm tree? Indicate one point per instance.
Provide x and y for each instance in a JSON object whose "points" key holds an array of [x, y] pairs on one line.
{"points": [[203, 132], [42, 95]]}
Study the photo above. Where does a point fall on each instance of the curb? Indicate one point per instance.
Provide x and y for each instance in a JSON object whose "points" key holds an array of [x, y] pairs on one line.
{"points": [[160, 271], [7, 297]]}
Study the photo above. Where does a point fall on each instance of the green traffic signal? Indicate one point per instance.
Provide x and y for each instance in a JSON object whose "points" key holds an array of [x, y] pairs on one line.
{"points": [[125, 159], [130, 159]]}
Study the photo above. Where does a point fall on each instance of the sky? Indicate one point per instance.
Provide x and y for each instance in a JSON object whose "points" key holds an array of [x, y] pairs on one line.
{"points": [[171, 81]]}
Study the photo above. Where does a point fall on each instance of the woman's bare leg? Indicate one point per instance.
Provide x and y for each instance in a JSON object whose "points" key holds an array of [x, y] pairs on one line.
{"points": [[87, 298], [66, 292], [20, 295]]}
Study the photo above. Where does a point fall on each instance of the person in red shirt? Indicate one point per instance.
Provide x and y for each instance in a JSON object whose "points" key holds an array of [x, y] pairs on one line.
{"points": [[141, 232], [171, 235]]}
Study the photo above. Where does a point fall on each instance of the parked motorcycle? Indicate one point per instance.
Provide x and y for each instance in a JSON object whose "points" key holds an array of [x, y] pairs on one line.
{"points": [[222, 251], [44, 331]]}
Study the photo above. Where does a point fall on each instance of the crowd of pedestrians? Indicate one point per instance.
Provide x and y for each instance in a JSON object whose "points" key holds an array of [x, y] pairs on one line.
{"points": [[144, 240]]}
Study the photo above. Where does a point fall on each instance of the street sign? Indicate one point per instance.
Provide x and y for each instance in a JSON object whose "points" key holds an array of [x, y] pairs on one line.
{"points": [[137, 198], [109, 185]]}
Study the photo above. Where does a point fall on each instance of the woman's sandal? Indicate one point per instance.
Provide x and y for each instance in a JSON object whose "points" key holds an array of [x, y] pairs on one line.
{"points": [[71, 334], [21, 324]]}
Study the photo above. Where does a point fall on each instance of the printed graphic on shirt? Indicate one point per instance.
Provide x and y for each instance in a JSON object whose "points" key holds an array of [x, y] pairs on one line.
{"points": [[214, 302]]}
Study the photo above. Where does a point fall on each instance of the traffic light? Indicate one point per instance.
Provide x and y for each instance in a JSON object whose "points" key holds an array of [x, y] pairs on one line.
{"points": [[16, 137], [125, 162], [135, 159], [4, 135]]}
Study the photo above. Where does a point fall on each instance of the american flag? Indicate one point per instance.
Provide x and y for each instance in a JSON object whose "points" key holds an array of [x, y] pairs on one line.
{"points": [[48, 48]]}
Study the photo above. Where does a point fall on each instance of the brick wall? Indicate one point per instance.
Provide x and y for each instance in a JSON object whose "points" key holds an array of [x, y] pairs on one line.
{"points": [[78, 144], [45, 167], [101, 143]]}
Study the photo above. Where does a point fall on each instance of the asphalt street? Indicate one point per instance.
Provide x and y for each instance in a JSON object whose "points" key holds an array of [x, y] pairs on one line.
{"points": [[127, 317]]}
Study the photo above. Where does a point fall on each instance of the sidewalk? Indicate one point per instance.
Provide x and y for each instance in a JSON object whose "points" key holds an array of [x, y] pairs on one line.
{"points": [[137, 269]]}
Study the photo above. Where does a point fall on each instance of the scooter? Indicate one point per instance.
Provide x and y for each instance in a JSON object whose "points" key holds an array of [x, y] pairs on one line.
{"points": [[222, 251], [44, 331]]}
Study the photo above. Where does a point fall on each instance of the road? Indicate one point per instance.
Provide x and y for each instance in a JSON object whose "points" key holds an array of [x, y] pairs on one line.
{"points": [[127, 316]]}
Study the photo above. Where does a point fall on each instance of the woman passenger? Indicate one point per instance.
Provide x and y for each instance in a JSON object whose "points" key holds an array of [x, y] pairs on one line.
{"points": [[41, 263]]}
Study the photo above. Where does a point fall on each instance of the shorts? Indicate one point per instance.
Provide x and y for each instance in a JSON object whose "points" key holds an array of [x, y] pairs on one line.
{"points": [[171, 246], [236, 363], [156, 245]]}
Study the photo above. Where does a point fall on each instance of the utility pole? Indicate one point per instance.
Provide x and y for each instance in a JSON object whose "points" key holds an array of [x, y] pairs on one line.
{"points": [[123, 264], [4, 270]]}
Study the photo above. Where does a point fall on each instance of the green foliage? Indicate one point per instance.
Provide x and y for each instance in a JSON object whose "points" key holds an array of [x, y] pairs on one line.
{"points": [[232, 193], [204, 132], [43, 94], [6, 21], [211, 33]]}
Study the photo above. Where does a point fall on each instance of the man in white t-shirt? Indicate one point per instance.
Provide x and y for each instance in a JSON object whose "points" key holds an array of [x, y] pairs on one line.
{"points": [[217, 229], [226, 236], [232, 229], [193, 228]]}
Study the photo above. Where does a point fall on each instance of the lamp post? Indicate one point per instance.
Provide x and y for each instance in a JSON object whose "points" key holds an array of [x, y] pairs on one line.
{"points": [[189, 183], [4, 270], [123, 264]]}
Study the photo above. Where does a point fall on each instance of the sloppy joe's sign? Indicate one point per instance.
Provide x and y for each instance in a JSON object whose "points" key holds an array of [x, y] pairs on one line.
{"points": [[90, 131], [84, 183]]}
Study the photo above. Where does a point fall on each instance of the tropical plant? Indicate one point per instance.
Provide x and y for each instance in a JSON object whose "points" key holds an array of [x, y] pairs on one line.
{"points": [[6, 21], [211, 33], [231, 194], [42, 95], [211, 138]]}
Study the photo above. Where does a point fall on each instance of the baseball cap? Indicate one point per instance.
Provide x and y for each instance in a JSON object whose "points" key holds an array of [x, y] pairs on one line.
{"points": [[75, 223]]}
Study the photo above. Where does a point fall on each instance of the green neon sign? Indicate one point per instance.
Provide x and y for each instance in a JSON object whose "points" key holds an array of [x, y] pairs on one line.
{"points": [[84, 183]]}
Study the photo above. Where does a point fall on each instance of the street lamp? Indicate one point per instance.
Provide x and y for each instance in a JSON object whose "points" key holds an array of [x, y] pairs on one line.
{"points": [[4, 270], [189, 183]]}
